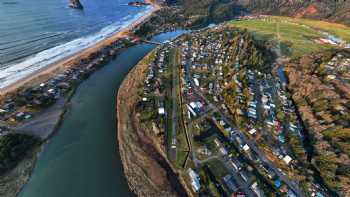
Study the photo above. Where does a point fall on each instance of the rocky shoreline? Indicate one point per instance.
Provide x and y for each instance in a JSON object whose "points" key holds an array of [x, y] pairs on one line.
{"points": [[75, 4], [138, 3], [145, 165]]}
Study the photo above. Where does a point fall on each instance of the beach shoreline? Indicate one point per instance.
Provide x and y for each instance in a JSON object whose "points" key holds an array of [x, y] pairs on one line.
{"points": [[48, 71], [21, 174]]}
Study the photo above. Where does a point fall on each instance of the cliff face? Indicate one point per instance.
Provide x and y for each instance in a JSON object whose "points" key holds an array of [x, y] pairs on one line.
{"points": [[75, 4]]}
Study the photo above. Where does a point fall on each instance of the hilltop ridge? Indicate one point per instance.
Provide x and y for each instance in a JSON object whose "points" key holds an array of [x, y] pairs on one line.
{"points": [[218, 10], [332, 10]]}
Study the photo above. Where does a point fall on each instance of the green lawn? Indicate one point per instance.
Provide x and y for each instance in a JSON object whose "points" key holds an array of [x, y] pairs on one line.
{"points": [[339, 30], [296, 34], [181, 156], [218, 168]]}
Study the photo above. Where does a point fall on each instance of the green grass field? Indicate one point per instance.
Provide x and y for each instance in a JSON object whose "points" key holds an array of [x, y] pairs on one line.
{"points": [[218, 168], [296, 36], [338, 30]]}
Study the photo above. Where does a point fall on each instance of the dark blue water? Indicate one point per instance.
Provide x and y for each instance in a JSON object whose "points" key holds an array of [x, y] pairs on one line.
{"points": [[281, 74], [30, 29], [30, 26]]}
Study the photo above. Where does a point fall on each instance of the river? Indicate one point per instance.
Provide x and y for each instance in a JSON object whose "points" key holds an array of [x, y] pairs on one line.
{"points": [[82, 158]]}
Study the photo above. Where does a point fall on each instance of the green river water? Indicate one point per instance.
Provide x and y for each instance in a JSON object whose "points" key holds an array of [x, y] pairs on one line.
{"points": [[82, 158]]}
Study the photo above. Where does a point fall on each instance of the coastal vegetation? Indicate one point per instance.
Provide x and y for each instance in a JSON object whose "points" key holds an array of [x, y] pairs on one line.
{"points": [[188, 14], [163, 20], [13, 148], [209, 11]]}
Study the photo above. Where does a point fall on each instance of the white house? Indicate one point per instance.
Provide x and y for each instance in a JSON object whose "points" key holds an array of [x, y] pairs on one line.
{"points": [[287, 159], [246, 147], [194, 180], [161, 111]]}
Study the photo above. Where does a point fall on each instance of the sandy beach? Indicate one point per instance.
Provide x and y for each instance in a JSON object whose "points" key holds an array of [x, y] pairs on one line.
{"points": [[47, 72]]}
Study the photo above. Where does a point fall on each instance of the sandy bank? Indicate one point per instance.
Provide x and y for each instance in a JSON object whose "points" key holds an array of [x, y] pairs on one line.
{"points": [[131, 151], [145, 164]]}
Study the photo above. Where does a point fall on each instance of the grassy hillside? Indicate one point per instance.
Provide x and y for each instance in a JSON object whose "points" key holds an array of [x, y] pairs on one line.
{"points": [[296, 36], [339, 30]]}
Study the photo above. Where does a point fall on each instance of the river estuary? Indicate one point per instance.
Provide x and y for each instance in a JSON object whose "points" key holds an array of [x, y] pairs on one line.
{"points": [[82, 158]]}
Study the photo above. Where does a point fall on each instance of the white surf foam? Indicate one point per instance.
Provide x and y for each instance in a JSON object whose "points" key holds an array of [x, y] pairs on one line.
{"points": [[13, 73]]}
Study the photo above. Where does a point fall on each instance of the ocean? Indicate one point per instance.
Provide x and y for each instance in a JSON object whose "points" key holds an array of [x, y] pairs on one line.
{"points": [[36, 33]]}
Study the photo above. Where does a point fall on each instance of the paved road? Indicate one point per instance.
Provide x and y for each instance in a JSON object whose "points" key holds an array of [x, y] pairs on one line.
{"points": [[263, 158], [44, 124], [173, 114], [211, 109], [292, 185]]}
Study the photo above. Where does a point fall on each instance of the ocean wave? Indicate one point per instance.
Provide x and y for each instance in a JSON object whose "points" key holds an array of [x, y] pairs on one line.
{"points": [[13, 73], [11, 58], [22, 43], [31, 37]]}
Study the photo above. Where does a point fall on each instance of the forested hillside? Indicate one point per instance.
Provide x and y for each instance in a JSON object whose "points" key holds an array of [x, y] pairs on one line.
{"points": [[217, 10]]}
